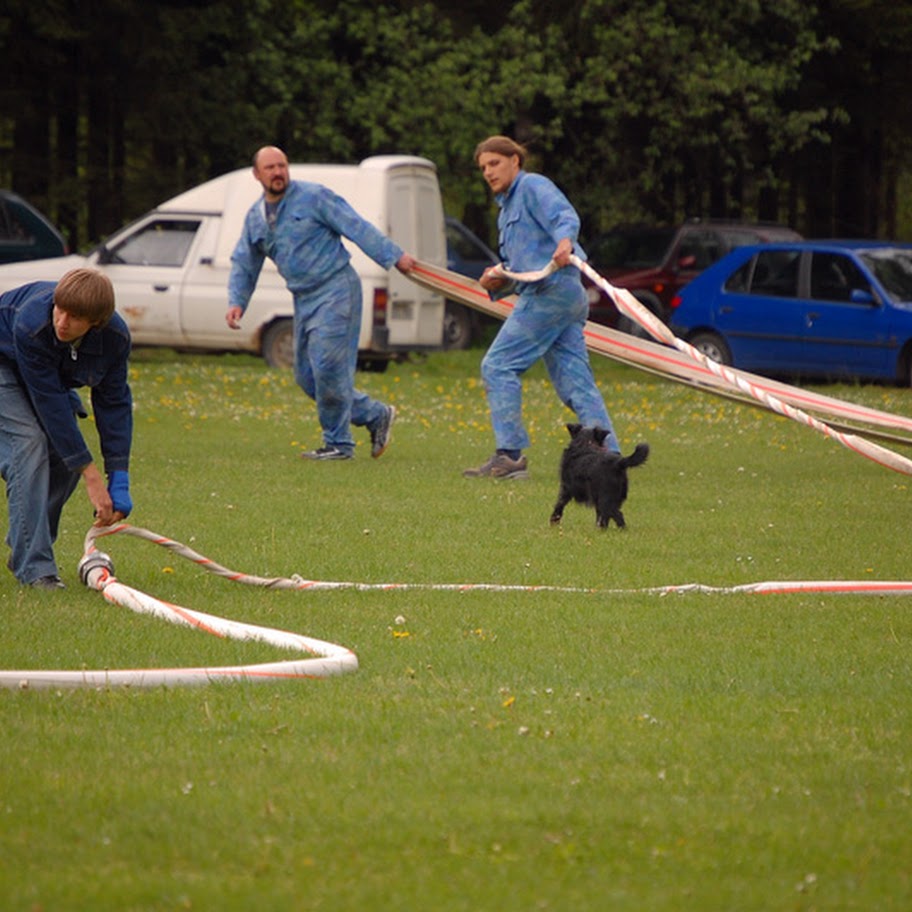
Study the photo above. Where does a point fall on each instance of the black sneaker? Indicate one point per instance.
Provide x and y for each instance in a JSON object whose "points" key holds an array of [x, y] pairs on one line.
{"points": [[326, 453], [48, 582], [382, 432]]}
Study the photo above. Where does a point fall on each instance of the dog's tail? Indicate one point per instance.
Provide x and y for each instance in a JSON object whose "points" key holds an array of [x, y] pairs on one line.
{"points": [[637, 457]]}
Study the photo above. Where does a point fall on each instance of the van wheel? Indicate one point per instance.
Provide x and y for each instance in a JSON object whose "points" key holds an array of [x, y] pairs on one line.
{"points": [[373, 365], [458, 326], [278, 344]]}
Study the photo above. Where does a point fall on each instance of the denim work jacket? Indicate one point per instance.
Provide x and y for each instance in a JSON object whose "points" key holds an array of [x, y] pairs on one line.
{"points": [[306, 242], [534, 216], [51, 370]]}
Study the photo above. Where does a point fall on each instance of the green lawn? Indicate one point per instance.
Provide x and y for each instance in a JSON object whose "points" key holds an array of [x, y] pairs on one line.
{"points": [[523, 750]]}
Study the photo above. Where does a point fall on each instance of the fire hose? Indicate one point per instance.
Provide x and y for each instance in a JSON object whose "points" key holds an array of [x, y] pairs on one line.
{"points": [[664, 361], [96, 571], [634, 310], [325, 659]]}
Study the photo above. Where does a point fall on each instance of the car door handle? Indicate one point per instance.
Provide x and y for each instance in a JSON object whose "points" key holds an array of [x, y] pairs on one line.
{"points": [[726, 310], [160, 287], [811, 317]]}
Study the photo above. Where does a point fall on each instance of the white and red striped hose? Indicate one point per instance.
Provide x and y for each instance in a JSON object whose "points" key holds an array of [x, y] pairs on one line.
{"points": [[324, 659]]}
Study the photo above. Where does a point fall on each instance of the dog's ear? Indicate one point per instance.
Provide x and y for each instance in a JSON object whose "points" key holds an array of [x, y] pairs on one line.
{"points": [[574, 429], [599, 434]]}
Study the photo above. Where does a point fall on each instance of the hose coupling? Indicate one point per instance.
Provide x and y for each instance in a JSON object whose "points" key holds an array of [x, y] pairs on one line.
{"points": [[95, 560]]}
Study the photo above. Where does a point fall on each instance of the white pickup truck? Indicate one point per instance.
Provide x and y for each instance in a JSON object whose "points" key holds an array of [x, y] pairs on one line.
{"points": [[170, 267]]}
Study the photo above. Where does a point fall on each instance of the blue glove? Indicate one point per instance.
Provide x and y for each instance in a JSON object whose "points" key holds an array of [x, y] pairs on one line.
{"points": [[119, 489]]}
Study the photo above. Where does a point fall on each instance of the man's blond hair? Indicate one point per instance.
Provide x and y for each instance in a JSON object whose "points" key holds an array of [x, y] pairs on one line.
{"points": [[501, 145], [87, 294]]}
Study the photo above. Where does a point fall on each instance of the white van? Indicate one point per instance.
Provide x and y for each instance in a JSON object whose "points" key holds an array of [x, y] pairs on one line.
{"points": [[170, 267]]}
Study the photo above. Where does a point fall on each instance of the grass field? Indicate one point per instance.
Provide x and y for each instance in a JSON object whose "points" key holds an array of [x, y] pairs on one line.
{"points": [[494, 751]]}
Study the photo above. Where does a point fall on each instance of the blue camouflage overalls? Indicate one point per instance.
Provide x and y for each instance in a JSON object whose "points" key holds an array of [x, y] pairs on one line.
{"points": [[305, 244], [547, 321]]}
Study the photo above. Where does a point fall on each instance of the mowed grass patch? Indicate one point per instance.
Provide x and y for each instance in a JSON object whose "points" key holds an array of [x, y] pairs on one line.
{"points": [[496, 750]]}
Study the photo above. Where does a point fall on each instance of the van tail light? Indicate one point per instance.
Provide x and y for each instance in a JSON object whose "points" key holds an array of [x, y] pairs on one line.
{"points": [[381, 299], [675, 302]]}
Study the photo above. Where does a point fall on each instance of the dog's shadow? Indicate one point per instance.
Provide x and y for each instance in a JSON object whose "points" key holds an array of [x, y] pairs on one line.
{"points": [[594, 476]]}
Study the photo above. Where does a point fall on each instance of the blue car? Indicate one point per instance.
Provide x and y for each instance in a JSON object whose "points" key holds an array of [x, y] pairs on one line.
{"points": [[813, 308]]}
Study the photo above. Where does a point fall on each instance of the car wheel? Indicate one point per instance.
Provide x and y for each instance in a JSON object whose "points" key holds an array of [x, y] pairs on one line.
{"points": [[626, 325], [458, 326], [278, 344], [631, 327], [713, 346]]}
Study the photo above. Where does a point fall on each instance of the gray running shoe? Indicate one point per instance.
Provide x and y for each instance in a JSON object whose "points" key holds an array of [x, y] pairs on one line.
{"points": [[382, 432], [500, 466]]}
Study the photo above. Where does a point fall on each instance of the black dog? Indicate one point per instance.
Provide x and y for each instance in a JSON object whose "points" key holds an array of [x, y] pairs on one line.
{"points": [[590, 475]]}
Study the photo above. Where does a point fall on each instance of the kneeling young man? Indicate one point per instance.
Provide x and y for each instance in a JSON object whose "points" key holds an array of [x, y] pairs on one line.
{"points": [[55, 337]]}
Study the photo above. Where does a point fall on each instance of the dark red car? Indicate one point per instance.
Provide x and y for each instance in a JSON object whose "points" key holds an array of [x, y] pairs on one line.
{"points": [[655, 262]]}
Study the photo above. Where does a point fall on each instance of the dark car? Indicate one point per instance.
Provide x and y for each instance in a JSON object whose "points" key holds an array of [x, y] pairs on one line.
{"points": [[468, 255], [816, 308], [25, 234], [655, 262]]}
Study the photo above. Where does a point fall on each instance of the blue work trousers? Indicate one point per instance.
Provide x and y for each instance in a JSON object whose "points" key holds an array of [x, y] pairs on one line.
{"points": [[551, 328], [327, 325], [38, 484]]}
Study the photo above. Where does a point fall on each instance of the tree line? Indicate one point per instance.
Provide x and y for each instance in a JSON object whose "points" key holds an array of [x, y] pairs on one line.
{"points": [[641, 110]]}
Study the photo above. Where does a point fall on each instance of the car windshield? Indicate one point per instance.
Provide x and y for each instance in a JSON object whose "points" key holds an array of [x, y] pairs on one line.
{"points": [[893, 268], [637, 249], [164, 242]]}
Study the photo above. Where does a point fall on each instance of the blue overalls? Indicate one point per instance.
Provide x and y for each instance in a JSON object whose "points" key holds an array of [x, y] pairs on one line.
{"points": [[305, 244], [547, 321]]}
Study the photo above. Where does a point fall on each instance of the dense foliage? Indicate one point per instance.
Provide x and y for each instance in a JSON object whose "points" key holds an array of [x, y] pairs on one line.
{"points": [[640, 109]]}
